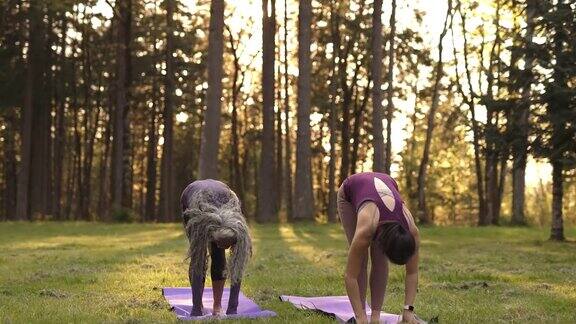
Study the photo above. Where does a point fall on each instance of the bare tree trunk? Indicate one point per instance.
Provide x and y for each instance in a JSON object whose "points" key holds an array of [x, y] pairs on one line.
{"points": [[118, 143], [23, 191], [60, 134], [103, 196], [77, 185], [127, 155], [279, 148], [557, 231], [346, 102], [475, 127], [208, 167], [305, 199], [377, 110], [287, 143], [358, 122], [266, 207], [411, 169], [150, 203], [10, 168], [237, 174], [390, 107], [520, 144], [557, 109], [422, 211], [501, 184], [90, 130], [166, 172], [491, 173], [40, 53], [335, 26]]}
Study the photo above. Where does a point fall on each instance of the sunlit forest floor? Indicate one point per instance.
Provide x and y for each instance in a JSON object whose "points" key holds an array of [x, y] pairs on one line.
{"points": [[83, 272]]}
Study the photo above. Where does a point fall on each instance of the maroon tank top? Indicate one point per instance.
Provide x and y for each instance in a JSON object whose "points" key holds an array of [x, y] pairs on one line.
{"points": [[375, 187]]}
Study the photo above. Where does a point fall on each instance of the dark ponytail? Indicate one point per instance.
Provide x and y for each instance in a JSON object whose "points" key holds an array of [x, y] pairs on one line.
{"points": [[395, 241]]}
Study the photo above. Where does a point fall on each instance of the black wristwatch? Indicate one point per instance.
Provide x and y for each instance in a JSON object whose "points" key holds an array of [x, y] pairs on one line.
{"points": [[409, 308]]}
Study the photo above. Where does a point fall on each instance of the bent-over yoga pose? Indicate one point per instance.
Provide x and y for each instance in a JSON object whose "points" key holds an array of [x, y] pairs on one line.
{"points": [[376, 220], [213, 220]]}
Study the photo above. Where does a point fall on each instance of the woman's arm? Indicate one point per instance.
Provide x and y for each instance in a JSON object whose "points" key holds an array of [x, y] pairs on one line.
{"points": [[411, 283], [358, 251]]}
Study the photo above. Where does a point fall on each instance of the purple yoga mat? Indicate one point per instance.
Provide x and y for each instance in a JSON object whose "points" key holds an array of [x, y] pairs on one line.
{"points": [[336, 306], [181, 301]]}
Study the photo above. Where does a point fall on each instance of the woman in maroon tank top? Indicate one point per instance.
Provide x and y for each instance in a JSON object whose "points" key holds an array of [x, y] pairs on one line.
{"points": [[376, 220]]}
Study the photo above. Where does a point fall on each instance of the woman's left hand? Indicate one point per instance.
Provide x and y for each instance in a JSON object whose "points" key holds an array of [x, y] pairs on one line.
{"points": [[408, 317]]}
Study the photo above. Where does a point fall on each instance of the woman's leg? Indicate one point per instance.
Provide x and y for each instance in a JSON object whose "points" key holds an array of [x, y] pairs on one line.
{"points": [[378, 278], [217, 274], [347, 214]]}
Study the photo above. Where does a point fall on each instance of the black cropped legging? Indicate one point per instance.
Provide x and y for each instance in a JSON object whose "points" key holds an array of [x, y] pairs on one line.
{"points": [[218, 262]]}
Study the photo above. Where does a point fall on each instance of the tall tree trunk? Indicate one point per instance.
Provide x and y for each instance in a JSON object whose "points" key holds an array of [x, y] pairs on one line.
{"points": [[332, 198], [377, 110], [10, 168], [346, 103], [208, 166], [41, 121], [118, 150], [60, 133], [491, 133], [557, 110], [475, 127], [520, 144], [305, 199], [267, 185], [90, 130], [557, 231], [103, 195], [358, 122], [78, 156], [390, 107], [287, 143], [23, 191], [279, 149], [411, 169], [150, 200], [422, 211], [166, 173], [501, 183], [237, 82], [127, 155]]}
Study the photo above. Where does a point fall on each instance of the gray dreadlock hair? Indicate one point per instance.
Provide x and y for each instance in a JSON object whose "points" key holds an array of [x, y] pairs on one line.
{"points": [[207, 214]]}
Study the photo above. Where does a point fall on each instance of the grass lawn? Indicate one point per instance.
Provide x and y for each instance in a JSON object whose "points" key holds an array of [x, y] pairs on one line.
{"points": [[83, 272]]}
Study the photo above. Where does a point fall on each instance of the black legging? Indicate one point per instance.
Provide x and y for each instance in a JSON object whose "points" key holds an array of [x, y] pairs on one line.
{"points": [[218, 264]]}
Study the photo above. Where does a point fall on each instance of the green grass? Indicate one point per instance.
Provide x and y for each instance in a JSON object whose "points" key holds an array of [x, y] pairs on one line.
{"points": [[84, 272]]}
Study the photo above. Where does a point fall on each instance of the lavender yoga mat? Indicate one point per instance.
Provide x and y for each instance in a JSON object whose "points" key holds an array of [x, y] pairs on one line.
{"points": [[335, 306], [181, 301]]}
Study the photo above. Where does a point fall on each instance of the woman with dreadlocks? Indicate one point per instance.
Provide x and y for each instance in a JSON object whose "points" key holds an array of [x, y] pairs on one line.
{"points": [[376, 221], [213, 220]]}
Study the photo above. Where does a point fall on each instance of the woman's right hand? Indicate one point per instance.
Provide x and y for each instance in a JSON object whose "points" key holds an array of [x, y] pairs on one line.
{"points": [[375, 318], [362, 319]]}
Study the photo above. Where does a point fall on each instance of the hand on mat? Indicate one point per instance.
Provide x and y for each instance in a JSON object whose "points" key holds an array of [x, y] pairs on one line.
{"points": [[409, 317], [197, 311]]}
